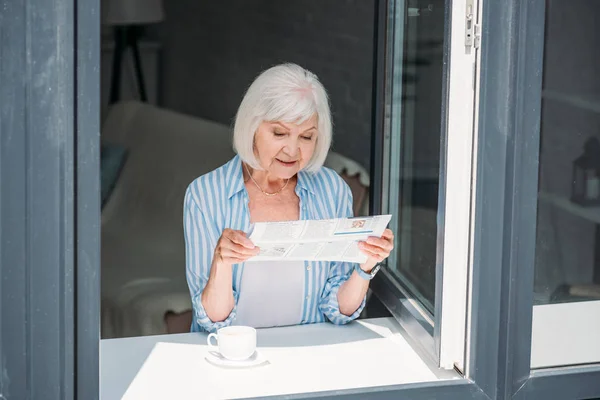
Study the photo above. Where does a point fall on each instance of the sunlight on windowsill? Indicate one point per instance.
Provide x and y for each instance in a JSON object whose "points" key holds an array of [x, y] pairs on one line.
{"points": [[301, 359]]}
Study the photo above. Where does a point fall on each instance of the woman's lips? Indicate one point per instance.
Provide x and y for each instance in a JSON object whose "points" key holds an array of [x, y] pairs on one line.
{"points": [[287, 163]]}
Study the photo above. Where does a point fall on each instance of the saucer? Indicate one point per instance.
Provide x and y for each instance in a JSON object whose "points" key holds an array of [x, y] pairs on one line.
{"points": [[255, 360]]}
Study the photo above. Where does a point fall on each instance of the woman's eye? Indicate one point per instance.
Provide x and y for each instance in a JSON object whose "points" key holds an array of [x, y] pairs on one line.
{"points": [[279, 134], [307, 137]]}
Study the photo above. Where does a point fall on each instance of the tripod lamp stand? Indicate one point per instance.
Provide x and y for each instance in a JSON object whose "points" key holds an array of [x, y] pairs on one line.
{"points": [[128, 18]]}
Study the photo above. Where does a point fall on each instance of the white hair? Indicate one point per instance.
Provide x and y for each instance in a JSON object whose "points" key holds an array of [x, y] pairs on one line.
{"points": [[287, 93]]}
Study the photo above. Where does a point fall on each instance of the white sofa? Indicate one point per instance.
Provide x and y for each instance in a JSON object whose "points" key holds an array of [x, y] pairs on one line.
{"points": [[143, 253]]}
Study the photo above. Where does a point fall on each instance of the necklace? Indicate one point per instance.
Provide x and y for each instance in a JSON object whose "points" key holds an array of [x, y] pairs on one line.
{"points": [[259, 188]]}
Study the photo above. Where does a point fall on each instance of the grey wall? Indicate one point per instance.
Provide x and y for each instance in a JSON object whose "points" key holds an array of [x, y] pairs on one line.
{"points": [[565, 242], [212, 50]]}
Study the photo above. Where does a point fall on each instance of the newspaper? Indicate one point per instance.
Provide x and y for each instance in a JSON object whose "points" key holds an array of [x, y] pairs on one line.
{"points": [[316, 240]]}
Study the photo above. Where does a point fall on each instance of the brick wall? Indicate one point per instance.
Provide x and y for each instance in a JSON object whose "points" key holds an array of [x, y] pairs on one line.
{"points": [[212, 50]]}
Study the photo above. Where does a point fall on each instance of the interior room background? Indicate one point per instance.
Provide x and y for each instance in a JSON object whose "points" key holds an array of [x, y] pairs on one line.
{"points": [[197, 60]]}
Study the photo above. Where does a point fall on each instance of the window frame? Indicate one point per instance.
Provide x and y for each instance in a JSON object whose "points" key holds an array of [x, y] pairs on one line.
{"points": [[506, 210], [87, 200], [412, 317], [501, 304], [36, 247], [402, 308], [65, 332], [440, 335]]}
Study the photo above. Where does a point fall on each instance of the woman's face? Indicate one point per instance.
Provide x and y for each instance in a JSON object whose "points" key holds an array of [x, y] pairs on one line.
{"points": [[284, 148]]}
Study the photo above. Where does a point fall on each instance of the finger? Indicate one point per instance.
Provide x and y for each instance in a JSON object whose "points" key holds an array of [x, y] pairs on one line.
{"points": [[385, 244], [240, 238], [239, 249], [374, 256], [388, 234], [229, 257], [231, 253], [379, 245], [237, 237], [374, 249]]}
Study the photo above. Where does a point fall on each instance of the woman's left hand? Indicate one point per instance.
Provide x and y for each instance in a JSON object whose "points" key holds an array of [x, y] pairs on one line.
{"points": [[376, 249]]}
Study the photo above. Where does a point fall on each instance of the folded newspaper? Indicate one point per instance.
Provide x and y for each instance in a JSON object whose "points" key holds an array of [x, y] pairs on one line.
{"points": [[316, 240]]}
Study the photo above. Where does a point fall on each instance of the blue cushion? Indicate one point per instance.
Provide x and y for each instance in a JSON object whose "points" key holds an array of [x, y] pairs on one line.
{"points": [[112, 159]]}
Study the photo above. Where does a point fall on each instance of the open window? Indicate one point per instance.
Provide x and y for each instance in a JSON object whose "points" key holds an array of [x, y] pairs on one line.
{"points": [[426, 169]]}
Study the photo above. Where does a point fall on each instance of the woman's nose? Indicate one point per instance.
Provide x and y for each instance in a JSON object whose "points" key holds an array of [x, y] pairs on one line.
{"points": [[291, 152], [291, 149]]}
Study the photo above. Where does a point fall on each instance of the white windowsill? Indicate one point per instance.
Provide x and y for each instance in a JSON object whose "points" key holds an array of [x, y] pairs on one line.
{"points": [[565, 334], [304, 358]]}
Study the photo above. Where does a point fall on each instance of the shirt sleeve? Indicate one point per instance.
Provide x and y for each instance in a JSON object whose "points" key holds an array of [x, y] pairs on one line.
{"points": [[200, 240], [339, 272]]}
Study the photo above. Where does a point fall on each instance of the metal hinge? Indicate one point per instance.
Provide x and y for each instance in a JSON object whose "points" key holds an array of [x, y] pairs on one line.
{"points": [[477, 36], [472, 29]]}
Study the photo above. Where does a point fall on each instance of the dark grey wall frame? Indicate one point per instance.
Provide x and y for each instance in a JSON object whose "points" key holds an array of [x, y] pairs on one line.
{"points": [[87, 197], [49, 247], [506, 189]]}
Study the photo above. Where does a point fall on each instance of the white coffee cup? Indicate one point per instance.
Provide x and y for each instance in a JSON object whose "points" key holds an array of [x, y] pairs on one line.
{"points": [[235, 343]]}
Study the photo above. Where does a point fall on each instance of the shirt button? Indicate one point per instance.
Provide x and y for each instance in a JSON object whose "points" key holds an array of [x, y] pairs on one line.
{"points": [[308, 268], [307, 297]]}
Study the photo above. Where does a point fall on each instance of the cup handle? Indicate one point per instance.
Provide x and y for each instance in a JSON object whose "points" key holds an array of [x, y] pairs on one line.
{"points": [[210, 336]]}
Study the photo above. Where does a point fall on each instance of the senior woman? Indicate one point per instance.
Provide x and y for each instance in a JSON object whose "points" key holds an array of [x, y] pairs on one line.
{"points": [[282, 134]]}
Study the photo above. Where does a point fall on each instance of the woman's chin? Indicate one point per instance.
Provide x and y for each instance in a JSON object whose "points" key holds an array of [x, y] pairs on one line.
{"points": [[285, 174]]}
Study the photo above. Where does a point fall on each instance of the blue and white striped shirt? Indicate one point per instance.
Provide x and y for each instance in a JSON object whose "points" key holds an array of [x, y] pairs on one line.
{"points": [[219, 200]]}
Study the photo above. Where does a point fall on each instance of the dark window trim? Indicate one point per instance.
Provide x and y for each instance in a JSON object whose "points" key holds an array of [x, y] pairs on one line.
{"points": [[567, 383], [520, 194], [506, 208], [37, 227], [452, 390], [506, 194], [87, 189], [49, 218]]}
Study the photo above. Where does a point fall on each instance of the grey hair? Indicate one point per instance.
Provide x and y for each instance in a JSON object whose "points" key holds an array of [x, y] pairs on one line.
{"points": [[287, 93]]}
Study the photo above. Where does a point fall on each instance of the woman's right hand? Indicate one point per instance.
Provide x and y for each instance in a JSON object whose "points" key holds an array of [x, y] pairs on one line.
{"points": [[234, 247]]}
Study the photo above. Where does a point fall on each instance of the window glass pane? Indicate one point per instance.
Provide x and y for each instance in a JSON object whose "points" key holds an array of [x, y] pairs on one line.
{"points": [[415, 136], [568, 232], [567, 265]]}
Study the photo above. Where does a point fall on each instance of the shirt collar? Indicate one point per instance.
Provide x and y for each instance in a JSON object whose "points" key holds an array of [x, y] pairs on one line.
{"points": [[306, 182], [235, 178]]}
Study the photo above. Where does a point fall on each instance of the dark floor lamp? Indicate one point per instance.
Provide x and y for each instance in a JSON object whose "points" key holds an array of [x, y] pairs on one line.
{"points": [[128, 17]]}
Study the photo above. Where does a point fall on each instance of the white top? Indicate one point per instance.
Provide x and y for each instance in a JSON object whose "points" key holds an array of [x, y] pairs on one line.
{"points": [[271, 294]]}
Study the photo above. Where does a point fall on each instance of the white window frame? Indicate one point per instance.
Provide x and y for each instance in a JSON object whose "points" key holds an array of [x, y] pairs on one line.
{"points": [[460, 175], [457, 179]]}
